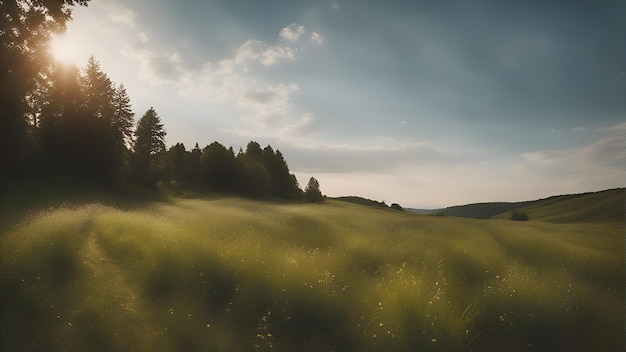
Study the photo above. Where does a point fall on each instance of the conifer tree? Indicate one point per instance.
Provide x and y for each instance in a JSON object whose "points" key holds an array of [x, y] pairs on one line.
{"points": [[123, 115], [312, 192], [150, 141]]}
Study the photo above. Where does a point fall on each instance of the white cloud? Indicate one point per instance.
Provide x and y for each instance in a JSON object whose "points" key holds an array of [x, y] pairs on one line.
{"points": [[335, 5], [257, 51], [276, 53], [307, 124], [268, 105], [317, 38], [125, 16], [373, 158], [238, 80], [606, 157], [292, 32], [157, 68]]}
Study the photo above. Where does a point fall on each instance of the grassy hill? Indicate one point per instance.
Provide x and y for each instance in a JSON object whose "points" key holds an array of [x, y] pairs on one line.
{"points": [[233, 274], [603, 206], [480, 210], [362, 201]]}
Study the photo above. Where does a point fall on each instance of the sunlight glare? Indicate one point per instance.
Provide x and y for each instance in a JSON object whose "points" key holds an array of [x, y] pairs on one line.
{"points": [[64, 50]]}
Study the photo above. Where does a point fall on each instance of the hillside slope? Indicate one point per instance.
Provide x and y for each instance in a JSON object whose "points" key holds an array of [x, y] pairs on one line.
{"points": [[603, 206], [481, 210]]}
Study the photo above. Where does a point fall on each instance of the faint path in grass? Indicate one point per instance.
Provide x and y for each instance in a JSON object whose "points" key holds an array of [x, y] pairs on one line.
{"points": [[110, 277], [116, 295]]}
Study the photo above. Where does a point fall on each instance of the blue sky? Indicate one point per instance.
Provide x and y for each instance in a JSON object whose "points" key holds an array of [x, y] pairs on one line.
{"points": [[424, 103]]}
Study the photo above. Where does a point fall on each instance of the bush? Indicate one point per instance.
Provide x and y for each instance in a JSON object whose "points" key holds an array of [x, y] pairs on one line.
{"points": [[518, 216]]}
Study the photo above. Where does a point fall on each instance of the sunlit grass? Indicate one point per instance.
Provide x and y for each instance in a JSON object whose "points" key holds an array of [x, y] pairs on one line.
{"points": [[233, 274]]}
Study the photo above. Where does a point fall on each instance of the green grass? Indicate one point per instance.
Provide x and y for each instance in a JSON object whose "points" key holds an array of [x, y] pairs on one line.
{"points": [[598, 207], [232, 274]]}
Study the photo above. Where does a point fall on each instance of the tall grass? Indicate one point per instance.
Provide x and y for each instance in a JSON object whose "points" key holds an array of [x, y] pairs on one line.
{"points": [[232, 274]]}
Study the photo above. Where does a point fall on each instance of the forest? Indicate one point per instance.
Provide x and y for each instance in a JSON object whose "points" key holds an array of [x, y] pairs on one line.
{"points": [[63, 120]]}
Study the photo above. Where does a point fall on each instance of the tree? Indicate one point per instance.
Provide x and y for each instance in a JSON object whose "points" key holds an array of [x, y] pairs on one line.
{"points": [[25, 28], [282, 184], [219, 168], [150, 141], [312, 192], [60, 109], [123, 116], [98, 91], [176, 163], [396, 206], [195, 159], [254, 151], [105, 146]]}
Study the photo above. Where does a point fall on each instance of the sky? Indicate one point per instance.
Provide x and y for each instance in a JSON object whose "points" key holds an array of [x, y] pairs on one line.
{"points": [[423, 103]]}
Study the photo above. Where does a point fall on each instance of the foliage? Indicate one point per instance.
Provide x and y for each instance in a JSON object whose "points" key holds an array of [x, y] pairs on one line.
{"points": [[78, 126], [396, 206], [149, 142], [25, 29], [312, 192], [219, 168], [518, 216], [81, 123], [362, 201]]}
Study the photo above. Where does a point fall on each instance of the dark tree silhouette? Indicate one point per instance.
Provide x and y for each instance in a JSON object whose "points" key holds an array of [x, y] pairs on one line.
{"points": [[518, 216], [61, 107], [396, 206], [254, 151], [25, 28], [104, 149], [150, 141], [282, 184], [123, 116], [219, 168], [195, 159], [176, 163], [312, 192]]}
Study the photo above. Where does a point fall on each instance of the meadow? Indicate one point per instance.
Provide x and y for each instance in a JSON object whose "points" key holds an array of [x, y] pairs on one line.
{"points": [[229, 274]]}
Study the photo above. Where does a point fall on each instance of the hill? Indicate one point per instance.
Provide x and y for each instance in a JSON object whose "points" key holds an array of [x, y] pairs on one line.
{"points": [[480, 210], [362, 201], [602, 206]]}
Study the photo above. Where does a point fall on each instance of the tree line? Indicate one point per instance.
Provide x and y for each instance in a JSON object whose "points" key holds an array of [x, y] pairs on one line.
{"points": [[61, 119]]}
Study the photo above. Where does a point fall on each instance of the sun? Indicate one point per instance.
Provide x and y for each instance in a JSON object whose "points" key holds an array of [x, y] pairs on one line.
{"points": [[64, 50]]}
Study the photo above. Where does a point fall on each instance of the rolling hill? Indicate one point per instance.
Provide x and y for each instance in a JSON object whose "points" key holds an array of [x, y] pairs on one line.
{"points": [[602, 206]]}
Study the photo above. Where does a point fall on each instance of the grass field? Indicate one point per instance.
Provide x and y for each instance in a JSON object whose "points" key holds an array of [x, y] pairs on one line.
{"points": [[237, 275]]}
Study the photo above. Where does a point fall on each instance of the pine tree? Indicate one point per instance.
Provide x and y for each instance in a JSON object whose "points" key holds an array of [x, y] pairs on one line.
{"points": [[98, 91], [312, 192], [150, 141], [123, 115]]}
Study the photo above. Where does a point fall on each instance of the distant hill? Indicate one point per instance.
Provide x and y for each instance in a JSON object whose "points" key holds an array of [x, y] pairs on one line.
{"points": [[481, 210], [603, 206], [366, 202], [423, 211]]}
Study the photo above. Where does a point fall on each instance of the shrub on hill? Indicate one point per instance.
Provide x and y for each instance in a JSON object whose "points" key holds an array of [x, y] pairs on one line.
{"points": [[396, 206], [518, 216]]}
